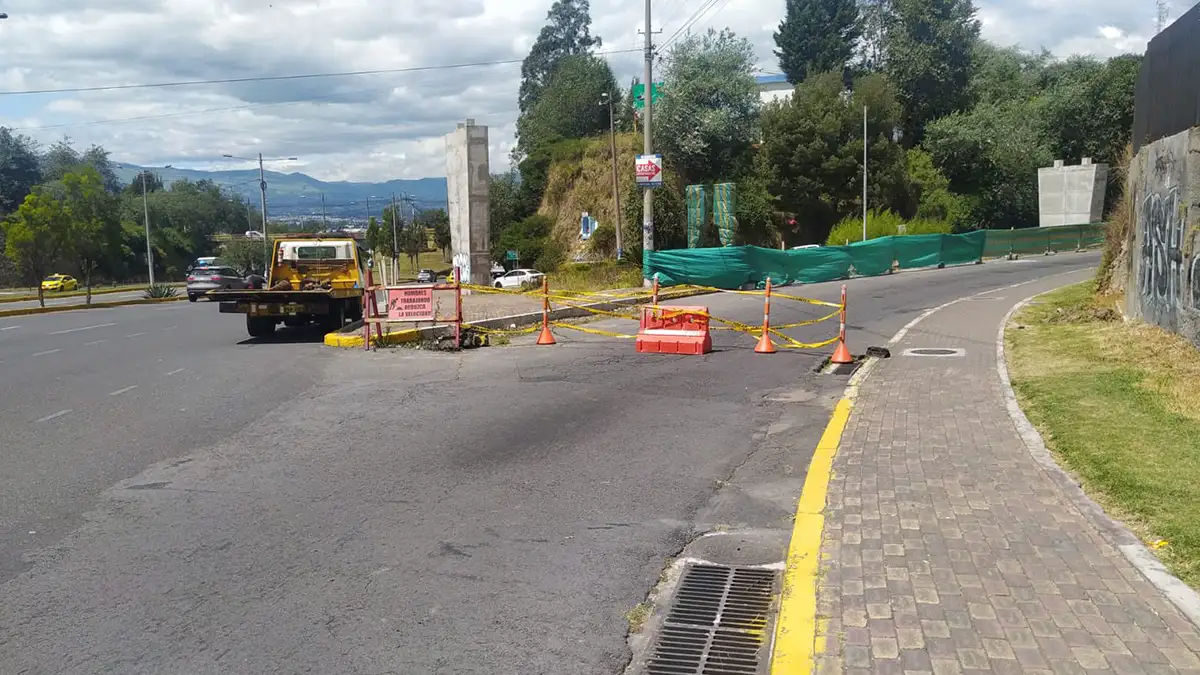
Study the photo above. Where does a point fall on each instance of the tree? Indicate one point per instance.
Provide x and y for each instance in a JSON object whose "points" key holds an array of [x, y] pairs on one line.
{"points": [[991, 154], [152, 181], [441, 232], [19, 169], [929, 48], [566, 33], [95, 224], [568, 106], [413, 241], [813, 149], [1006, 73], [373, 235], [35, 236], [709, 115], [246, 255], [816, 36], [505, 205]]}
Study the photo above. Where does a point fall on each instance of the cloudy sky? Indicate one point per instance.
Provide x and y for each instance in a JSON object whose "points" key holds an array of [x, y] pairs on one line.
{"points": [[382, 126]]}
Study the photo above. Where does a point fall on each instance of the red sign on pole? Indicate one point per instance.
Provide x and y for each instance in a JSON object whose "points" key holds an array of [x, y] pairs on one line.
{"points": [[410, 304], [648, 170]]}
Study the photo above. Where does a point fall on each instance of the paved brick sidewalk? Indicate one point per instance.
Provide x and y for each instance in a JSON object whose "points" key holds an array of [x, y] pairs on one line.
{"points": [[948, 549]]}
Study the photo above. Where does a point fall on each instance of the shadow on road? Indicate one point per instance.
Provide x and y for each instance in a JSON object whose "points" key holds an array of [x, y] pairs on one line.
{"points": [[298, 335]]}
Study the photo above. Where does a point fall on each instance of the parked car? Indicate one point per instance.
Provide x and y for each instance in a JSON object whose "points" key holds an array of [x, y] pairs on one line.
{"points": [[519, 279], [497, 270], [427, 277], [59, 282], [203, 280]]}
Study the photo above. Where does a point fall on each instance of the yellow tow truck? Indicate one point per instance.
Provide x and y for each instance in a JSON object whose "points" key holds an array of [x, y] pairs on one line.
{"points": [[312, 279]]}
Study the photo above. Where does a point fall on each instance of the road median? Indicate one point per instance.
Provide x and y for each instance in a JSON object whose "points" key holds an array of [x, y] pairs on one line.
{"points": [[95, 305], [78, 294]]}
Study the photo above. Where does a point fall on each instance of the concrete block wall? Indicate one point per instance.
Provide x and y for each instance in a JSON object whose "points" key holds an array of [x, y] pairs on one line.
{"points": [[1163, 285], [1071, 195], [468, 185]]}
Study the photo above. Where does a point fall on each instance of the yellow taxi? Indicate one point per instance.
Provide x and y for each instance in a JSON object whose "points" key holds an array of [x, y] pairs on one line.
{"points": [[59, 282]]}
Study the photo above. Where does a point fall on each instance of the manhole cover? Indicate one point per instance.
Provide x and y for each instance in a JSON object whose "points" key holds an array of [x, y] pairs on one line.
{"points": [[933, 351], [717, 623]]}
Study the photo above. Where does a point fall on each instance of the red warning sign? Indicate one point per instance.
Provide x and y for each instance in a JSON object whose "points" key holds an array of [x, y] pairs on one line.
{"points": [[410, 304]]}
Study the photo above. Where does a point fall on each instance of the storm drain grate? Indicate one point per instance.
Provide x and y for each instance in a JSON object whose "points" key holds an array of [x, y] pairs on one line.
{"points": [[717, 624]]}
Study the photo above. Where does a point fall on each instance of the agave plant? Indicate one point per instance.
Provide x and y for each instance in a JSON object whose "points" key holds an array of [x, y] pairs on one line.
{"points": [[160, 291]]}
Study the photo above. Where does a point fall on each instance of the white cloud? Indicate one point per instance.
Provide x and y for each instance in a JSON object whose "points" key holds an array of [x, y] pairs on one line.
{"points": [[371, 127]]}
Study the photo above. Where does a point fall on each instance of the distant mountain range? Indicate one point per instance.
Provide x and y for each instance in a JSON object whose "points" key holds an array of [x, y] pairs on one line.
{"points": [[297, 195]]}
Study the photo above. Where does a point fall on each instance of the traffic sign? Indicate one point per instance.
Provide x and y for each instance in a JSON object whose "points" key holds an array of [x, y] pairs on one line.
{"points": [[648, 170], [510, 255], [639, 94]]}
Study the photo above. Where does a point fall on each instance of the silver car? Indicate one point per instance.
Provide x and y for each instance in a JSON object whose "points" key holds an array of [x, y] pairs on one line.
{"points": [[205, 279]]}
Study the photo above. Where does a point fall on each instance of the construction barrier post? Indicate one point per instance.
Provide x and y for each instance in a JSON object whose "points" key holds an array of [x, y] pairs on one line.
{"points": [[765, 346], [546, 337], [1012, 233], [458, 313], [842, 355], [654, 292]]}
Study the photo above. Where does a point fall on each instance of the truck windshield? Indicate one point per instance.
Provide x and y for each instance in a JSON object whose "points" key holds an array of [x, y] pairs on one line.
{"points": [[316, 252]]}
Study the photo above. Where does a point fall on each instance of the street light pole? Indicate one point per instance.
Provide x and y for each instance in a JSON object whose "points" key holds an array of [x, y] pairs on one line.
{"points": [[146, 213], [648, 95], [612, 147]]}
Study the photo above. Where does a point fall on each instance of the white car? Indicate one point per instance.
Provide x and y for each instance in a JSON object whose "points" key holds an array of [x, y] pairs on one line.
{"points": [[518, 278]]}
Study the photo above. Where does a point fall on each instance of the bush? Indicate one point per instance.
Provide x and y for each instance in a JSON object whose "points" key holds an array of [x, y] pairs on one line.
{"points": [[883, 224], [160, 291], [603, 242]]}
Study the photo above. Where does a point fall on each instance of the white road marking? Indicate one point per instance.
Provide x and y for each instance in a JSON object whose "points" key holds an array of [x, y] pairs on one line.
{"points": [[94, 342], [134, 335], [60, 413], [51, 351], [122, 391], [9, 328], [175, 372], [171, 327], [76, 330]]}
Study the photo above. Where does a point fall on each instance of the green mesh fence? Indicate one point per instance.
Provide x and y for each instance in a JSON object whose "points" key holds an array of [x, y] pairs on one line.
{"points": [[697, 212], [724, 206], [737, 266]]}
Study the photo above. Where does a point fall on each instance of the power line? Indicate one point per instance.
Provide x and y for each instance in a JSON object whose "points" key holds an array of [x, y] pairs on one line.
{"points": [[700, 12], [277, 78]]}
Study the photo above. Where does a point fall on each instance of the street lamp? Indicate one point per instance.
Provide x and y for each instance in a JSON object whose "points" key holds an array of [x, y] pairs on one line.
{"points": [[262, 186], [606, 101], [146, 214]]}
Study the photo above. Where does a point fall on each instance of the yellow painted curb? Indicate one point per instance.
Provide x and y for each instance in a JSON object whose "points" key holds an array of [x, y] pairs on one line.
{"points": [[351, 340], [95, 305], [797, 640]]}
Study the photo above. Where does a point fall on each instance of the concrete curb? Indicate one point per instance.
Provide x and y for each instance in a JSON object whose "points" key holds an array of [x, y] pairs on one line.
{"points": [[1144, 560], [351, 336], [95, 305]]}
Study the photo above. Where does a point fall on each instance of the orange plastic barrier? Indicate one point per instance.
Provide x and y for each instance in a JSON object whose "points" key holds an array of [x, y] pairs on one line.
{"points": [[674, 330]]}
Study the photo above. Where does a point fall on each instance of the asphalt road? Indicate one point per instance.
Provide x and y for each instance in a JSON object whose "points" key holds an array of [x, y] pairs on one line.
{"points": [[285, 508]]}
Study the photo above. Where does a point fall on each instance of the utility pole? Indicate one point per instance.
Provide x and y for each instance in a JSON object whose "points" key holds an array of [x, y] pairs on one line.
{"points": [[262, 186], [146, 212], [395, 238], [612, 146], [324, 221], [648, 147], [368, 211], [864, 173]]}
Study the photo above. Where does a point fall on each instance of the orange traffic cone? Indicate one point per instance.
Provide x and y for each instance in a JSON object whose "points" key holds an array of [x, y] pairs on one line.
{"points": [[765, 346], [842, 353], [546, 338]]}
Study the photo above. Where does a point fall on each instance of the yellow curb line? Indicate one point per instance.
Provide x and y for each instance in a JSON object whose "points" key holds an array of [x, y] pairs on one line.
{"points": [[797, 640], [347, 341], [95, 305]]}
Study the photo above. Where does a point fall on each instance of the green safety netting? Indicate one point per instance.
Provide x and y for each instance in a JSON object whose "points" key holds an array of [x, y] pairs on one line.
{"points": [[724, 206], [697, 211], [736, 266]]}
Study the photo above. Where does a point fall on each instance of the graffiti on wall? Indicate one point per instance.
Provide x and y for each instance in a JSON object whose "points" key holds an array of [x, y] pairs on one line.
{"points": [[1169, 278]]}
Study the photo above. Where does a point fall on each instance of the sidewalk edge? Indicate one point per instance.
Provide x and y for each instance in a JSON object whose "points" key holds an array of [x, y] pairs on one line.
{"points": [[1179, 593]]}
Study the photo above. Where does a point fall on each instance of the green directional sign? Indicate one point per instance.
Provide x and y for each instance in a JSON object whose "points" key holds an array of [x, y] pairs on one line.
{"points": [[639, 94], [510, 255]]}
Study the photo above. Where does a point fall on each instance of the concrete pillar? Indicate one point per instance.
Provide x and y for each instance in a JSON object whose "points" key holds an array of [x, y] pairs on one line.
{"points": [[468, 182]]}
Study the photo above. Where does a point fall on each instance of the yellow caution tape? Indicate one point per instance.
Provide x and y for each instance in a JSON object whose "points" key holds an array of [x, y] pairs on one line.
{"points": [[810, 322], [811, 301], [504, 331], [605, 312], [594, 331]]}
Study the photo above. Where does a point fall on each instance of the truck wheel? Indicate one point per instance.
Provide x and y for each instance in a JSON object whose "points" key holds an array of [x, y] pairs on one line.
{"points": [[191, 298], [260, 326]]}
